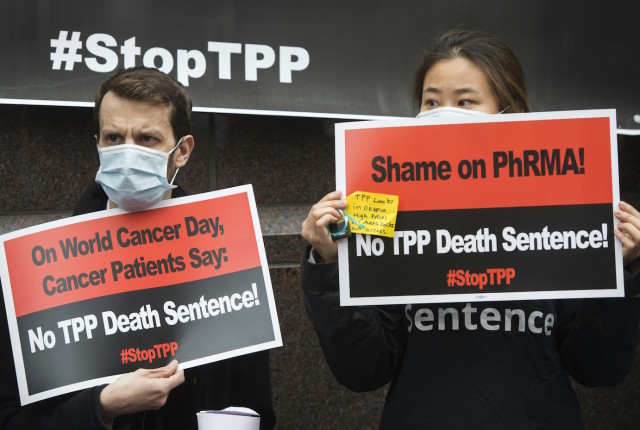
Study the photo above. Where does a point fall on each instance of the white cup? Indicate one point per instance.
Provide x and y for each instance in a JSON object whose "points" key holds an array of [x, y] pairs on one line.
{"points": [[231, 418]]}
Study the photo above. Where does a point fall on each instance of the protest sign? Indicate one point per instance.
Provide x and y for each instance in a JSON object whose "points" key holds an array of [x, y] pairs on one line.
{"points": [[491, 207], [94, 296]]}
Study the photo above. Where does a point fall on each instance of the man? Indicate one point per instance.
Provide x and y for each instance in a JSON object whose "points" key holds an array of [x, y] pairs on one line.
{"points": [[143, 121]]}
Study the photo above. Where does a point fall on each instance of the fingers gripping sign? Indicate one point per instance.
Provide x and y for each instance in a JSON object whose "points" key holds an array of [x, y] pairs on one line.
{"points": [[628, 231], [314, 227], [142, 390]]}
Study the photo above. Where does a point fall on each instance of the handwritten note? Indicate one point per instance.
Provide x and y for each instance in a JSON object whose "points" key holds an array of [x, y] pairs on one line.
{"points": [[375, 213]]}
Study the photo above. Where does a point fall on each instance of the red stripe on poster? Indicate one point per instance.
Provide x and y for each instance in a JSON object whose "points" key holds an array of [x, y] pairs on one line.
{"points": [[132, 251], [484, 165]]}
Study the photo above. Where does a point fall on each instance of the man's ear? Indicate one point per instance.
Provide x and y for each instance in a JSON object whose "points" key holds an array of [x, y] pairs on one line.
{"points": [[183, 151]]}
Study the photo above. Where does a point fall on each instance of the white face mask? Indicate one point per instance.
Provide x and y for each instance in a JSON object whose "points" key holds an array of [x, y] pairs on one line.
{"points": [[449, 112], [134, 177]]}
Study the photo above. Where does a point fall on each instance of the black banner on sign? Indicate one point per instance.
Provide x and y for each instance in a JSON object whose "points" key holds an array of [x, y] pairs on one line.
{"points": [[328, 59], [513, 251], [145, 329]]}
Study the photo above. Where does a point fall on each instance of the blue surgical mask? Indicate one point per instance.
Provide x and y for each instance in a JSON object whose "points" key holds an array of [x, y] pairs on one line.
{"points": [[134, 177]]}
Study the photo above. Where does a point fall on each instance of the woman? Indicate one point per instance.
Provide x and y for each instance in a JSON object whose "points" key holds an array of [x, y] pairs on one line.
{"points": [[466, 375]]}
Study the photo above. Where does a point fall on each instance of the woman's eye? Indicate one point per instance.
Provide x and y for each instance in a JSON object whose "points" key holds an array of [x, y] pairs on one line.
{"points": [[465, 103], [431, 103]]}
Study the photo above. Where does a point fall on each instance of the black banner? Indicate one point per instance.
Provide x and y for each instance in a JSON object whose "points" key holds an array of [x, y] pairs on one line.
{"points": [[515, 249], [144, 329], [326, 59]]}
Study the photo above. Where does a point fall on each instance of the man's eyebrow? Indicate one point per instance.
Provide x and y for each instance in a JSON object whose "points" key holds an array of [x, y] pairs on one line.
{"points": [[109, 130], [151, 131]]}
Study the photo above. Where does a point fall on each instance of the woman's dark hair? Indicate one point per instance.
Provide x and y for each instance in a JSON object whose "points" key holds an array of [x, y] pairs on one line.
{"points": [[494, 57]]}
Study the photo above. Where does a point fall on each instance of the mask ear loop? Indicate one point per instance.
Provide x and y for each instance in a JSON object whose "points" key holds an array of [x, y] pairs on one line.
{"points": [[178, 169], [502, 111], [174, 176]]}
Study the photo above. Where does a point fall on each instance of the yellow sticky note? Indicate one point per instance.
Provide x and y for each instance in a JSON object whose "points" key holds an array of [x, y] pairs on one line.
{"points": [[373, 213]]}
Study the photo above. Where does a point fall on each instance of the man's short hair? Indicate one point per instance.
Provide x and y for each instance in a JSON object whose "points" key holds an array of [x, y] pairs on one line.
{"points": [[148, 85]]}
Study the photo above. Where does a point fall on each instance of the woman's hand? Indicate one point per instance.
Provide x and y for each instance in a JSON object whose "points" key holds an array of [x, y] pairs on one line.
{"points": [[314, 228], [628, 231]]}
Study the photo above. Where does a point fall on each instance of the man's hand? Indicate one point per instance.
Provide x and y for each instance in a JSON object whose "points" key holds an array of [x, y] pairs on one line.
{"points": [[142, 390], [314, 228], [628, 231]]}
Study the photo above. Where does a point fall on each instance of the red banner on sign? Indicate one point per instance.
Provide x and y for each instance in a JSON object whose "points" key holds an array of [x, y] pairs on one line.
{"points": [[483, 165], [114, 255]]}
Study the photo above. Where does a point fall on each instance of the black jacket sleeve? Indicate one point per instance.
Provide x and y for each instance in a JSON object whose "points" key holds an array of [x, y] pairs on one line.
{"points": [[80, 410], [77, 411], [598, 344], [363, 345]]}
